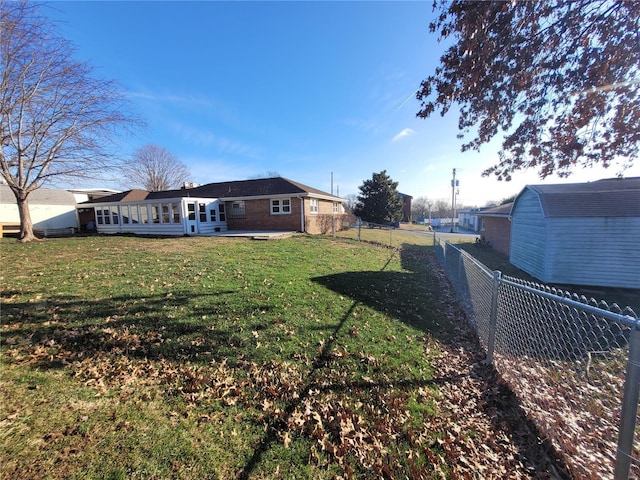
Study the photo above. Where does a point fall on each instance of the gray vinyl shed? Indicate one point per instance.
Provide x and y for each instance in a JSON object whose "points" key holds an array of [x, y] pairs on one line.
{"points": [[580, 233]]}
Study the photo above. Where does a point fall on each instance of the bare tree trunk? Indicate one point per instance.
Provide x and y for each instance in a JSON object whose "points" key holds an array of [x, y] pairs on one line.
{"points": [[26, 225]]}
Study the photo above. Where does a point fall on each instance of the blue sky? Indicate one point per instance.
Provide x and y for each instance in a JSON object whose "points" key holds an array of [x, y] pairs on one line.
{"points": [[305, 89]]}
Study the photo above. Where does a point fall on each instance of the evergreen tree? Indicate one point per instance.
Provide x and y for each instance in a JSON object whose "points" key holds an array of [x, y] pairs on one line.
{"points": [[379, 201]]}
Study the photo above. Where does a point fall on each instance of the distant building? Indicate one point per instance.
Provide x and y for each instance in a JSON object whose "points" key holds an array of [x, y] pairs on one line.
{"points": [[469, 219]]}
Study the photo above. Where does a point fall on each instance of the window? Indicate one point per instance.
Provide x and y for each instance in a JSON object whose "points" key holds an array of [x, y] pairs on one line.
{"points": [[314, 205], [125, 213], [336, 207], [202, 210], [114, 215], [280, 206], [155, 213], [191, 209], [103, 217], [175, 212], [236, 209], [144, 214], [212, 214], [134, 214], [223, 216], [166, 218]]}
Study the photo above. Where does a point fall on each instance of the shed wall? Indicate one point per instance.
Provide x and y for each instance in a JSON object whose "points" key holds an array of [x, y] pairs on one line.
{"points": [[528, 235], [601, 251], [42, 216]]}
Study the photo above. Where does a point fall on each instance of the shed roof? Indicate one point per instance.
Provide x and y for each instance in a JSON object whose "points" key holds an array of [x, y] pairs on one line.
{"points": [[262, 187], [40, 196], [612, 197]]}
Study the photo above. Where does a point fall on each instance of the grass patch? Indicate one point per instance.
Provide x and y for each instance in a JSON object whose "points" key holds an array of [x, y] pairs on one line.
{"points": [[496, 260], [392, 237], [129, 357]]}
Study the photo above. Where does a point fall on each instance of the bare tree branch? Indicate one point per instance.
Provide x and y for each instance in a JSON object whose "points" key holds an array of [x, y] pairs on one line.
{"points": [[57, 120], [154, 168]]}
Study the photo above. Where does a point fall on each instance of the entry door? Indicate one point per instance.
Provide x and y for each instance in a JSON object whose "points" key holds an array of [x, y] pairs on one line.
{"points": [[192, 218]]}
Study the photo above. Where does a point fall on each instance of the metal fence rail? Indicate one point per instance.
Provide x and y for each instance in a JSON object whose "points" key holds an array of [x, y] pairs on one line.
{"points": [[574, 363]]}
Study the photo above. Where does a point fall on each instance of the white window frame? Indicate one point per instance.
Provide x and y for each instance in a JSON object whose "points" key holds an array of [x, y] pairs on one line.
{"points": [[280, 206], [174, 214], [202, 212], [313, 205], [103, 216], [237, 209], [135, 216]]}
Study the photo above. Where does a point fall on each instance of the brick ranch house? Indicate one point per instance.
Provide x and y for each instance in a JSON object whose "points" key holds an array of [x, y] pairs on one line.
{"points": [[276, 204]]}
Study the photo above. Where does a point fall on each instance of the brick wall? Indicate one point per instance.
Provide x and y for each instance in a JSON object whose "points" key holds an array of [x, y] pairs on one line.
{"points": [[258, 217], [497, 231], [322, 222]]}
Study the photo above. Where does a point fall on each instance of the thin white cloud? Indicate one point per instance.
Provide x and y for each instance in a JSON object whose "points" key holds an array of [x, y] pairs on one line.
{"points": [[205, 138], [404, 133], [171, 98]]}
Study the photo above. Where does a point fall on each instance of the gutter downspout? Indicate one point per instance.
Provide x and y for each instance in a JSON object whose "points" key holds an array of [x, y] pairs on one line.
{"points": [[301, 214]]}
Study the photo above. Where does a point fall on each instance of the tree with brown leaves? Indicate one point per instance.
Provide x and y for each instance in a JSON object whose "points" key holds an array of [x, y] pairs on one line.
{"points": [[560, 79]]}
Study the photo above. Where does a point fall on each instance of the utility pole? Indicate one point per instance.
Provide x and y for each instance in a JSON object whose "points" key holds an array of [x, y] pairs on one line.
{"points": [[454, 186]]}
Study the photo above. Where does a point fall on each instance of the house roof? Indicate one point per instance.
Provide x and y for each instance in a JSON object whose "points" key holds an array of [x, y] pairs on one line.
{"points": [[236, 190], [41, 196], [612, 197], [499, 211]]}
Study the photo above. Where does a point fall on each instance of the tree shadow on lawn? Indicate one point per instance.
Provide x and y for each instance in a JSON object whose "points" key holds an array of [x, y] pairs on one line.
{"points": [[409, 296], [418, 298], [370, 282], [71, 328]]}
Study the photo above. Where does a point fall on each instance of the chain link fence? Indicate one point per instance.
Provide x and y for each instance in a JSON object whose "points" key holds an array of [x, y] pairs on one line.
{"points": [[573, 362]]}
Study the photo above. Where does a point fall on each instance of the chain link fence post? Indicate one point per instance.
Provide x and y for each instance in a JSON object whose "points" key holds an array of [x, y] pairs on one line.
{"points": [[493, 319], [629, 408]]}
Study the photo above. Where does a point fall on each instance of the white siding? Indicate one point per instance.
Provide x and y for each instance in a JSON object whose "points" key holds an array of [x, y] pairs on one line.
{"points": [[528, 235], [158, 220], [42, 216], [574, 250], [594, 251], [49, 208]]}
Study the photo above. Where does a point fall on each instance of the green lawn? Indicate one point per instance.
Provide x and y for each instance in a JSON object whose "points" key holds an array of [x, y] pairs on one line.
{"points": [[308, 357]]}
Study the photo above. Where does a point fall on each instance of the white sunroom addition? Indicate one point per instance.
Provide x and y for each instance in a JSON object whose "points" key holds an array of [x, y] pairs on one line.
{"points": [[166, 216]]}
